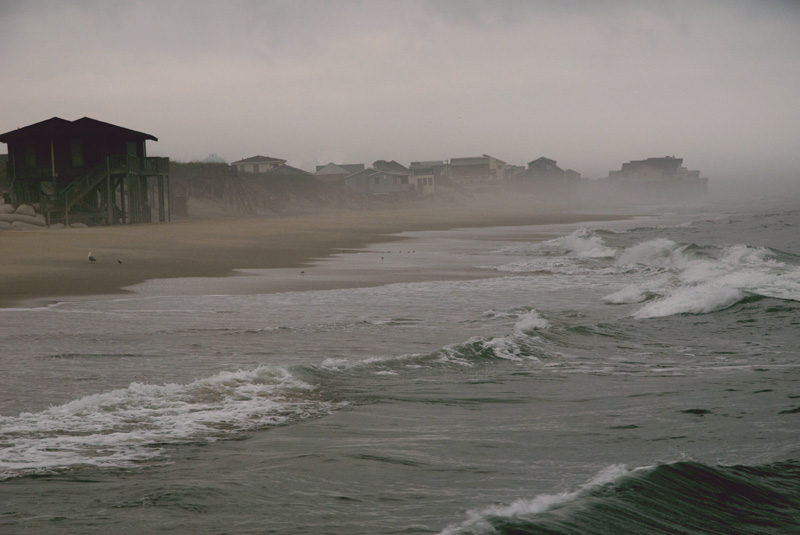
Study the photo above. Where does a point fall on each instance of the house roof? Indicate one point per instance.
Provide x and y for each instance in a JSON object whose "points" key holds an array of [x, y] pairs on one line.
{"points": [[470, 160], [391, 166], [427, 163], [542, 160], [259, 159], [669, 165], [364, 172], [57, 126], [284, 170], [352, 167], [332, 169]]}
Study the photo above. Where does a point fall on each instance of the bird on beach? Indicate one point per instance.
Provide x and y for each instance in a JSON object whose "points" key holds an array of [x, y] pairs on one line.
{"points": [[92, 258]]}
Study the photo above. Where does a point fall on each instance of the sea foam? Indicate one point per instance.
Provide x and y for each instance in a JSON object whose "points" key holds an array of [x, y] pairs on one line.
{"points": [[688, 280], [584, 243], [125, 426], [480, 521]]}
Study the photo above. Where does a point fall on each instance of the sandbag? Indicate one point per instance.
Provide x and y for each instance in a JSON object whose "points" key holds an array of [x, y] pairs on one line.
{"points": [[38, 219], [25, 209], [21, 225]]}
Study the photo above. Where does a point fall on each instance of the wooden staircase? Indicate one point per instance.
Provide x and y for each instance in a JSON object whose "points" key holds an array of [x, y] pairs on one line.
{"points": [[126, 178], [81, 187]]}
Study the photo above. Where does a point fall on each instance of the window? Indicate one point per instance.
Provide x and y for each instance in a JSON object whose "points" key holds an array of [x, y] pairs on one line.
{"points": [[132, 148], [255, 168], [77, 152], [30, 155]]}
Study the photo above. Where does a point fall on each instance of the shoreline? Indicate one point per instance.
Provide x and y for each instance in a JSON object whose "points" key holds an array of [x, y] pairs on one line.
{"points": [[42, 266]]}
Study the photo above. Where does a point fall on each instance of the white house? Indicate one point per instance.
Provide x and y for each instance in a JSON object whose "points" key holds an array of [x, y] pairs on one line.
{"points": [[258, 164]]}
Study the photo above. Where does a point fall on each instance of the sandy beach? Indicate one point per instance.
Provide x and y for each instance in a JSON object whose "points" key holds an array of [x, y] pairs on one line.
{"points": [[45, 265]]}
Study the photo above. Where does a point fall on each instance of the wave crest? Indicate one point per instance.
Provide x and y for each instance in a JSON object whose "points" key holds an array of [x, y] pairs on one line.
{"points": [[697, 280], [681, 497], [130, 425]]}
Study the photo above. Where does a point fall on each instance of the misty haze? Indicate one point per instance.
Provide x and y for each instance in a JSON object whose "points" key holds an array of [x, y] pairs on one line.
{"points": [[446, 266]]}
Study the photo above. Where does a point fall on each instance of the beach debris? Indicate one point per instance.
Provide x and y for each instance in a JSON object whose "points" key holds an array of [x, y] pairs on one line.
{"points": [[92, 258]]}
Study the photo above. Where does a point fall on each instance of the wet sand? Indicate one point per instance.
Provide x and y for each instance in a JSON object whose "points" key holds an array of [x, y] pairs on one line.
{"points": [[45, 265]]}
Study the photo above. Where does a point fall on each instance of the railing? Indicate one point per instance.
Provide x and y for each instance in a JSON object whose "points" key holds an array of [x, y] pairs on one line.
{"points": [[83, 185], [135, 165], [158, 166], [114, 165], [23, 173]]}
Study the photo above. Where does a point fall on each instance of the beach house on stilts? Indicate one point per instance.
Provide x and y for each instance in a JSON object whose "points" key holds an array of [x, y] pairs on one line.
{"points": [[87, 171]]}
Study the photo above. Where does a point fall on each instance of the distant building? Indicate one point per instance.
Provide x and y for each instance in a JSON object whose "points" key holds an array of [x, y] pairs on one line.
{"points": [[436, 168], [390, 166], [545, 179], [257, 164], [543, 169], [668, 168], [337, 172], [214, 158], [427, 174], [653, 180], [286, 174], [87, 171], [479, 172], [388, 183]]}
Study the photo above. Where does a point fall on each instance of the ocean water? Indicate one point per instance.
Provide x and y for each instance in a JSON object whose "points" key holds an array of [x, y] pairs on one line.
{"points": [[633, 376]]}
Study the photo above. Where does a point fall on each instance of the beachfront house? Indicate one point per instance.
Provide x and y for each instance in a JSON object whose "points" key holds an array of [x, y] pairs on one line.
{"points": [[379, 183], [545, 179], [390, 166], [87, 171], [288, 175], [424, 175], [332, 172], [479, 172], [661, 179], [258, 164]]}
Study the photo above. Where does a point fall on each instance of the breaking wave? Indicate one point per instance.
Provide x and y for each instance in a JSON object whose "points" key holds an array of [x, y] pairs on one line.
{"points": [[683, 497], [688, 279], [127, 427], [123, 427]]}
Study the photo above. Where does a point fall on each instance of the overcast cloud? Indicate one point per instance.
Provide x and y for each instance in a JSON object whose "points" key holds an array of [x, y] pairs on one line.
{"points": [[590, 84]]}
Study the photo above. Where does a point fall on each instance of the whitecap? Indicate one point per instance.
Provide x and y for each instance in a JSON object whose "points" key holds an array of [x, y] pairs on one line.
{"points": [[479, 520], [531, 321], [133, 424], [585, 244]]}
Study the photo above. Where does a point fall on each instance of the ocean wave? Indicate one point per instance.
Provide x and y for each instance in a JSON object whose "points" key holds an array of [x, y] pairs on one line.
{"points": [[564, 255], [127, 426], [470, 353], [688, 279], [585, 243], [531, 321], [528, 319], [682, 497], [130, 426]]}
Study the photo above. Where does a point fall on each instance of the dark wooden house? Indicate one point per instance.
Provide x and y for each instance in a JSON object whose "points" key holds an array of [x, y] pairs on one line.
{"points": [[87, 171]]}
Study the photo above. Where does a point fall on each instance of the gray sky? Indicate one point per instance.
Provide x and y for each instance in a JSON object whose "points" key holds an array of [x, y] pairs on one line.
{"points": [[590, 84]]}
